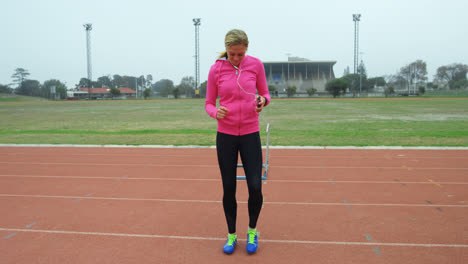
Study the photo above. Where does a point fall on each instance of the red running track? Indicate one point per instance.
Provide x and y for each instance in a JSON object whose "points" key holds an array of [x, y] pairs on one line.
{"points": [[162, 205]]}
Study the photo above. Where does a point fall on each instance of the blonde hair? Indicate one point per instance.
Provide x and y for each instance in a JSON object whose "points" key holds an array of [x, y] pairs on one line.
{"points": [[234, 37]]}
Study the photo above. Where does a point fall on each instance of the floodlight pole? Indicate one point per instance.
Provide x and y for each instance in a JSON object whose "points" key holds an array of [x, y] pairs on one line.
{"points": [[197, 23], [360, 80], [360, 73], [356, 19], [88, 28]]}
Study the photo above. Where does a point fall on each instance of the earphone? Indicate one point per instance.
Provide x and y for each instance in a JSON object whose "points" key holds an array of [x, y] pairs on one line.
{"points": [[235, 67], [238, 76]]}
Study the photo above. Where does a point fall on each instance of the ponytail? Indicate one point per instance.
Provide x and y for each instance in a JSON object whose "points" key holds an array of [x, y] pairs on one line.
{"points": [[222, 55]]}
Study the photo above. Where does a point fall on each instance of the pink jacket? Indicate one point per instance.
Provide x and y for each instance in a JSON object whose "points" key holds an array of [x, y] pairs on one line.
{"points": [[222, 81]]}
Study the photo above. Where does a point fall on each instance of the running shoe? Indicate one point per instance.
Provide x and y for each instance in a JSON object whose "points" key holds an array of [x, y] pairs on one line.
{"points": [[252, 241], [230, 244]]}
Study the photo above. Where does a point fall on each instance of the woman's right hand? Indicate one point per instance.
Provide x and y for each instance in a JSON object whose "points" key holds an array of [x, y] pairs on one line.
{"points": [[222, 111]]}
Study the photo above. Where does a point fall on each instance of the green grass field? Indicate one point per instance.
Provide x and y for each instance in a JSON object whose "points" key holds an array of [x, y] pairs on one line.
{"points": [[294, 122], [19, 98]]}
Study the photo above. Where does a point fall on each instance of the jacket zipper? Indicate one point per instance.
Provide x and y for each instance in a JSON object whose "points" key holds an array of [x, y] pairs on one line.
{"points": [[240, 107]]}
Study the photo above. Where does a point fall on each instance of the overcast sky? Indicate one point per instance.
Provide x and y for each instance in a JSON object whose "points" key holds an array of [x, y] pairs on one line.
{"points": [[141, 37]]}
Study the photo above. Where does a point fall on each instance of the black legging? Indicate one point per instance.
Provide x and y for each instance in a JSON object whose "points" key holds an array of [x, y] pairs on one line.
{"points": [[250, 149]]}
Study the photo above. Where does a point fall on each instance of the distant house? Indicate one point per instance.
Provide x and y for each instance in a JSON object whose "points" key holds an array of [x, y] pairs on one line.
{"points": [[100, 93]]}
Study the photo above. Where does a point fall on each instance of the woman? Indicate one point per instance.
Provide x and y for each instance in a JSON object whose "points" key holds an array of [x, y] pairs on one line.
{"points": [[235, 78]]}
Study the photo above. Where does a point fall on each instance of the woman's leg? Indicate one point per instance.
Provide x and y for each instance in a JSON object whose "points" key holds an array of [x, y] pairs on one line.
{"points": [[227, 149], [251, 154]]}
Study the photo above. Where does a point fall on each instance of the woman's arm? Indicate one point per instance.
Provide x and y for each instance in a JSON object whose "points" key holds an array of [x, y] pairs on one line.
{"points": [[262, 85], [211, 93]]}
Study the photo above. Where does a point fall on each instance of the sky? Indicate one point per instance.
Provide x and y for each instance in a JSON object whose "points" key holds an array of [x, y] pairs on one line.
{"points": [[142, 37]]}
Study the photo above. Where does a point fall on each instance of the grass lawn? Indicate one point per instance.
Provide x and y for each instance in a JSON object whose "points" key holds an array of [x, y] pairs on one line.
{"points": [[294, 122], [18, 98]]}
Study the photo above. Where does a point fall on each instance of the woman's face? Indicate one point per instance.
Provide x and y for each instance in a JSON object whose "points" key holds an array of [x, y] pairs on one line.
{"points": [[236, 53]]}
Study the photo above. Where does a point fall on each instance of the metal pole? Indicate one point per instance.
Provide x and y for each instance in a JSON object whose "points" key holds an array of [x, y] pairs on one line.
{"points": [[356, 19], [197, 23], [88, 28], [410, 80], [360, 83], [360, 75]]}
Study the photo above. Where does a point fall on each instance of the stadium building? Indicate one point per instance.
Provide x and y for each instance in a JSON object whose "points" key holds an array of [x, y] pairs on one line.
{"points": [[299, 72], [99, 93]]}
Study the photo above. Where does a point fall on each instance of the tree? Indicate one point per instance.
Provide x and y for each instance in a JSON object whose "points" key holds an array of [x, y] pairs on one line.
{"points": [[311, 91], [84, 82], [291, 90], [149, 80], [389, 91], [186, 86], [376, 81], [163, 87], [19, 76], [105, 81], [336, 87], [451, 73], [118, 81], [147, 93], [414, 73], [29, 88], [356, 82], [176, 92], [114, 92], [60, 89], [5, 89], [460, 84], [362, 69], [272, 89], [203, 86], [346, 71], [141, 82], [422, 89], [129, 82], [396, 80]]}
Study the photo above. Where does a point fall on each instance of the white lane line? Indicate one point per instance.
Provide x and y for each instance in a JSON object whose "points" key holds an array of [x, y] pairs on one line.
{"points": [[112, 198], [110, 178], [365, 204], [386, 182], [106, 146], [216, 166], [107, 164], [213, 147], [366, 167], [126, 155], [216, 180], [345, 243], [212, 201], [212, 155]]}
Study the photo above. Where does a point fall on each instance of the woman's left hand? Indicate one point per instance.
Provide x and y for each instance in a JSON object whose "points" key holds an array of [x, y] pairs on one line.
{"points": [[259, 103]]}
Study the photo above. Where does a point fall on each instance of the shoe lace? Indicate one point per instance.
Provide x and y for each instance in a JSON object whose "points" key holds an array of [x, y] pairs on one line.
{"points": [[231, 239], [252, 233]]}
